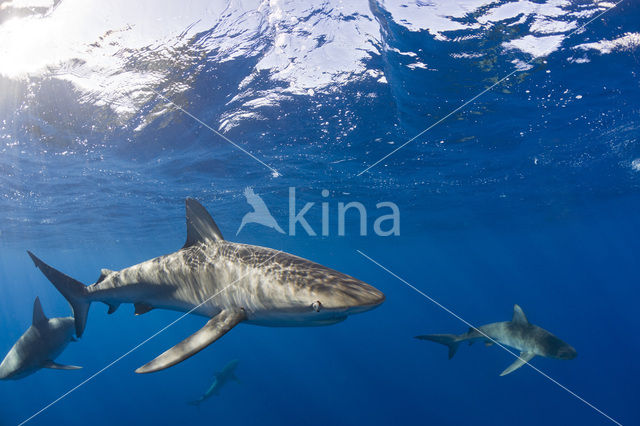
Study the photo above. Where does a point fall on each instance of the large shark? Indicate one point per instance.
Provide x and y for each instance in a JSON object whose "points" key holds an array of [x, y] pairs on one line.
{"points": [[223, 377], [518, 333], [227, 282], [39, 346]]}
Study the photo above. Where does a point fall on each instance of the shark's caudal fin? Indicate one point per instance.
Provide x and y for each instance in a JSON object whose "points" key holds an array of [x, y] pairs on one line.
{"points": [[74, 291], [450, 340]]}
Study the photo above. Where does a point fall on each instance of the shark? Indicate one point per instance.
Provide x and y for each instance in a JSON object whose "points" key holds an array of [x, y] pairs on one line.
{"points": [[39, 346], [228, 283], [518, 333], [221, 378]]}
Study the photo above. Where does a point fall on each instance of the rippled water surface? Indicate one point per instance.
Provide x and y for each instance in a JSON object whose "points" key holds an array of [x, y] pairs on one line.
{"points": [[112, 113]]}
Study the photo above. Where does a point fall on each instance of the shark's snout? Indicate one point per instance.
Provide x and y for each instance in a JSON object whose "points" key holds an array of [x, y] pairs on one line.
{"points": [[373, 297], [351, 296], [567, 352]]}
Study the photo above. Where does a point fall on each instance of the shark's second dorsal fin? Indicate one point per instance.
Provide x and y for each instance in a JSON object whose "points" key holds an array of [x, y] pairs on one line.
{"points": [[103, 274], [200, 225], [38, 314], [518, 315]]}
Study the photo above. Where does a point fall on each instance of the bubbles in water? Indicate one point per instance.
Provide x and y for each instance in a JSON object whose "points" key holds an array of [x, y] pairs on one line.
{"points": [[635, 165]]}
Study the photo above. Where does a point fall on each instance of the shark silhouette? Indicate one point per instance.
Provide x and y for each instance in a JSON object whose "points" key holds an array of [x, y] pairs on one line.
{"points": [[260, 214]]}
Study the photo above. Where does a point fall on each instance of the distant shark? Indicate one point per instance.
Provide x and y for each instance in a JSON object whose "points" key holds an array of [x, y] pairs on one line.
{"points": [[39, 346], [221, 378], [227, 282], [518, 333]]}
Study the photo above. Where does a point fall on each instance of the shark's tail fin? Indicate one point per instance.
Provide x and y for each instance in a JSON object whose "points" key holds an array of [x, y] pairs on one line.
{"points": [[74, 291], [450, 340]]}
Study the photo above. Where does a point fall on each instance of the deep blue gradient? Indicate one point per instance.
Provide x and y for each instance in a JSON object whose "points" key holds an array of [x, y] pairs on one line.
{"points": [[530, 195]]}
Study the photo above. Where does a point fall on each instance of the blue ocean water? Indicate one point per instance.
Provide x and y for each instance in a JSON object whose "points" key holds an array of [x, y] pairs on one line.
{"points": [[527, 195]]}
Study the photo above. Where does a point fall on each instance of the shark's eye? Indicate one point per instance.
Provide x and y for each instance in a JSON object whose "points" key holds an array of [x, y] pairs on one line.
{"points": [[316, 305]]}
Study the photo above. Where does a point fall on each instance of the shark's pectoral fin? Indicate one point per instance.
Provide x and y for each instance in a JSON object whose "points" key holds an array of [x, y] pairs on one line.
{"points": [[142, 308], [524, 358], [214, 329], [55, 366]]}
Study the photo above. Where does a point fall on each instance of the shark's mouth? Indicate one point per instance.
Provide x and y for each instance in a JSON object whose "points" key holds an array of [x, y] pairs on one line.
{"points": [[292, 322]]}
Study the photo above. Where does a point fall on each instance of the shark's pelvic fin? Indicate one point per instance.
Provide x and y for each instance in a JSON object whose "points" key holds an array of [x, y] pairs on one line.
{"points": [[74, 291], [200, 225], [38, 314], [214, 329], [450, 340], [519, 316], [55, 366], [524, 358], [112, 307], [142, 308]]}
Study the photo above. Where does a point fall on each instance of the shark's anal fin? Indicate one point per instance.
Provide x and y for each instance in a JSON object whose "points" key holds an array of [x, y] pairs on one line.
{"points": [[142, 308], [524, 358], [55, 366], [214, 329]]}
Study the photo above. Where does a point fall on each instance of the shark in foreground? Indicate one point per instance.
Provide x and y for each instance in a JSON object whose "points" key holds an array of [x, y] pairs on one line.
{"points": [[227, 282], [518, 333], [39, 346], [222, 378]]}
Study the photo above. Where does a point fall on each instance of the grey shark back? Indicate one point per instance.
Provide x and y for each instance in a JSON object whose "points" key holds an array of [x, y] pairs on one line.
{"points": [[227, 282], [39, 346], [518, 333]]}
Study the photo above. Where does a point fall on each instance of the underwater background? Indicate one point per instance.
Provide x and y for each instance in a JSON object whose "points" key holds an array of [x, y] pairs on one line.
{"points": [[528, 195]]}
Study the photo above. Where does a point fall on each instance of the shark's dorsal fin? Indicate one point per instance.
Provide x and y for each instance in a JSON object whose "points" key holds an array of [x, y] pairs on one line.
{"points": [[200, 225], [103, 274], [38, 314], [519, 316], [214, 329]]}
